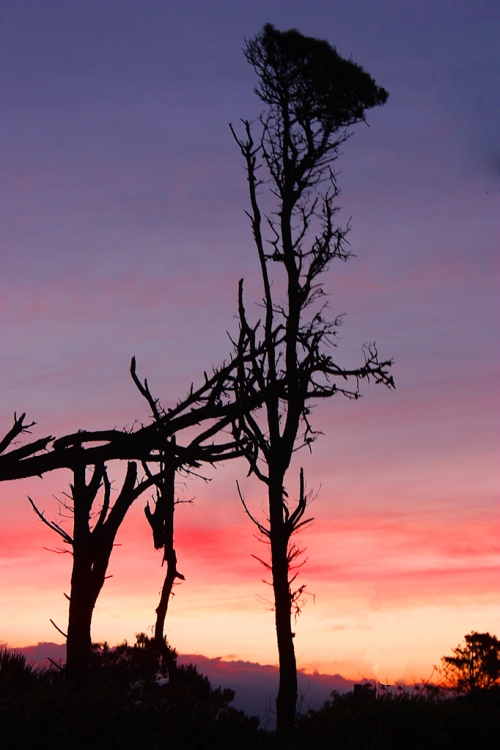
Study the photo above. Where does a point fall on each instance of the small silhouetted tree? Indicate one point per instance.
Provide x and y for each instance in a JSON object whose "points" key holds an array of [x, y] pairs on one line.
{"points": [[474, 665], [312, 96], [91, 542]]}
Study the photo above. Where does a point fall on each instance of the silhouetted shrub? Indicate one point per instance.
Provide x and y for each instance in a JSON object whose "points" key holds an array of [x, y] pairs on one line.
{"points": [[15, 670], [137, 697], [424, 718]]}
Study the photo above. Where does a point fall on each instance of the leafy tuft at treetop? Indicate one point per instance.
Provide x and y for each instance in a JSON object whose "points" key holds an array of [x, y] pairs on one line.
{"points": [[307, 78]]}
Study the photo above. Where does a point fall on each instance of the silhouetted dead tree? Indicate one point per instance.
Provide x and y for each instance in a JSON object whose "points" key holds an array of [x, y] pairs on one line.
{"points": [[211, 408], [312, 96], [91, 545]]}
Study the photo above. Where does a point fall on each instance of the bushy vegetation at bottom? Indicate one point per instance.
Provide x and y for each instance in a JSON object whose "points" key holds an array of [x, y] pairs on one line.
{"points": [[132, 700], [135, 699], [428, 718]]}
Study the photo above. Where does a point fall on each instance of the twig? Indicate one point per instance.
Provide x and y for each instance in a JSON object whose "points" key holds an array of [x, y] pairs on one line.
{"points": [[58, 628]]}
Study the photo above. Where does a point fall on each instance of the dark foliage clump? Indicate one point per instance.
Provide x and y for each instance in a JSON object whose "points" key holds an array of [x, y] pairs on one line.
{"points": [[474, 666], [425, 718], [307, 77], [136, 697], [15, 671]]}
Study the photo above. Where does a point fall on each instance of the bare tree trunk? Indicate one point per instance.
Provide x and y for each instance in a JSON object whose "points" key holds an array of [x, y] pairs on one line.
{"points": [[81, 608], [279, 537], [287, 695], [91, 552]]}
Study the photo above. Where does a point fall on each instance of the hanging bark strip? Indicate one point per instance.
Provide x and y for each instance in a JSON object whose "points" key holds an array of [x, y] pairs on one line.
{"points": [[161, 520]]}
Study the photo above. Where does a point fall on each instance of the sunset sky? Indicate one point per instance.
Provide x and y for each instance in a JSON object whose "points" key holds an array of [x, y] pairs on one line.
{"points": [[123, 233]]}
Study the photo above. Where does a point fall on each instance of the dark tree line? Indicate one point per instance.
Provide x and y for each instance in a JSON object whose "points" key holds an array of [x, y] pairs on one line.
{"points": [[262, 397]]}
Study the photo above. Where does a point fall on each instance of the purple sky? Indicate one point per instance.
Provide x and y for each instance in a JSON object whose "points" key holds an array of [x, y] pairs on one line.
{"points": [[123, 234]]}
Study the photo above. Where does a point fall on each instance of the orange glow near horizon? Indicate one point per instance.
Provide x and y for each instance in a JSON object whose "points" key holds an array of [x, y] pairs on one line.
{"points": [[392, 592]]}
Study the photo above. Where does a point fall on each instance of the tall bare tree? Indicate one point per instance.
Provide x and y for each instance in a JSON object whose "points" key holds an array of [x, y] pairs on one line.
{"points": [[312, 96]]}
